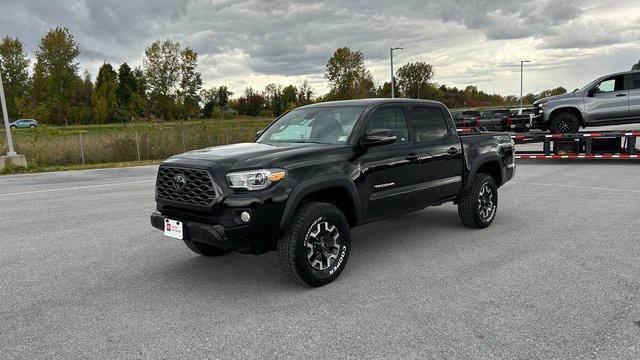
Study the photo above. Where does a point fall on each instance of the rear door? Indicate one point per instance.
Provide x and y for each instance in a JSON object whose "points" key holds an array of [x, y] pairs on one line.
{"points": [[440, 173], [610, 100], [634, 95], [389, 169]]}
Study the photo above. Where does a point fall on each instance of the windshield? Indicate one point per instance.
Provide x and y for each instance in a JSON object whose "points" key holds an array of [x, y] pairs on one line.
{"points": [[323, 125]]}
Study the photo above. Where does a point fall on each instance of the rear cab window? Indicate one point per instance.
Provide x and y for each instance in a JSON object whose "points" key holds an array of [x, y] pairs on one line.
{"points": [[430, 123]]}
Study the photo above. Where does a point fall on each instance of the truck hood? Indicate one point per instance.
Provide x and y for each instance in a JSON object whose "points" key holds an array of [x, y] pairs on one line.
{"points": [[260, 155], [558, 97]]}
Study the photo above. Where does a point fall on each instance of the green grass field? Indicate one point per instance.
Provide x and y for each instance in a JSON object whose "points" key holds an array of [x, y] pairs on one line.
{"points": [[62, 147]]}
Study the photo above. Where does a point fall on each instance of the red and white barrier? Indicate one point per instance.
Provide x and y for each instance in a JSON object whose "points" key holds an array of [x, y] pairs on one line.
{"points": [[576, 156]]}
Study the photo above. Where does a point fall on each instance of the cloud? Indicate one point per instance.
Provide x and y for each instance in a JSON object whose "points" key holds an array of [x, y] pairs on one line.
{"points": [[252, 42]]}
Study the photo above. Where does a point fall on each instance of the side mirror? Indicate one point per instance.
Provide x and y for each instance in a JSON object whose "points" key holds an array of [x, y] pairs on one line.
{"points": [[258, 133], [378, 137], [593, 91]]}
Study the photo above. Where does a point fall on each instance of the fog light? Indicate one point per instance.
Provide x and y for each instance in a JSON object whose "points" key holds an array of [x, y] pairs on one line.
{"points": [[245, 217]]}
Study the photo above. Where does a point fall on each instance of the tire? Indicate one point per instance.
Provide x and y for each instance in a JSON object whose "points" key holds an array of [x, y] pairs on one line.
{"points": [[32, 126], [476, 208], [564, 123], [12, 127], [315, 248], [205, 249]]}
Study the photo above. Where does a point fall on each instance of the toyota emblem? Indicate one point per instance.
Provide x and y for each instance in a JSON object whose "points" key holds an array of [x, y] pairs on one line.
{"points": [[179, 182]]}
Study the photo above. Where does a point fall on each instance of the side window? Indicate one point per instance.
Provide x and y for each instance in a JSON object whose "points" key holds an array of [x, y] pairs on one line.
{"points": [[430, 124], [635, 81], [614, 83], [390, 119]]}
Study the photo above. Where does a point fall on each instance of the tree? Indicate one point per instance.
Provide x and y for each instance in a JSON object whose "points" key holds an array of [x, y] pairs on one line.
{"points": [[636, 66], [162, 71], [83, 111], [14, 69], [347, 74], [55, 74], [552, 92], [289, 97], [212, 98], [251, 103], [208, 98], [274, 100], [105, 101], [127, 87], [305, 94], [223, 96], [413, 77], [190, 84]]}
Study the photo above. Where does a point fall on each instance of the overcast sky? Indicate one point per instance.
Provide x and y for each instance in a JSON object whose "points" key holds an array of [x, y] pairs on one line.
{"points": [[253, 43]]}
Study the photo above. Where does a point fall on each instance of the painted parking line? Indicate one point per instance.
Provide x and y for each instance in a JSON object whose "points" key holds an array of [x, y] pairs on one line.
{"points": [[573, 186], [77, 188]]}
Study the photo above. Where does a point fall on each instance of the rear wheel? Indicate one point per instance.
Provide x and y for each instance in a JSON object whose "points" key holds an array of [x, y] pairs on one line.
{"points": [[205, 249], [316, 247], [565, 122], [478, 206], [32, 126]]}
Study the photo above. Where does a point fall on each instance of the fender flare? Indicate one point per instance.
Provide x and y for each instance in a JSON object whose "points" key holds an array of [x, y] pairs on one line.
{"points": [[318, 183], [484, 159]]}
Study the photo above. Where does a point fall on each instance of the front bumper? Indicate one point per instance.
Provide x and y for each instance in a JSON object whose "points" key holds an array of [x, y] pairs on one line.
{"points": [[209, 234]]}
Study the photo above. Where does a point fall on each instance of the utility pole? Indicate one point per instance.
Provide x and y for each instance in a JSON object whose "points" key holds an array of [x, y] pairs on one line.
{"points": [[5, 114], [393, 78], [521, 71]]}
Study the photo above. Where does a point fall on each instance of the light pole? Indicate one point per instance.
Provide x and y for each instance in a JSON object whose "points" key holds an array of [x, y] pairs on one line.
{"points": [[5, 114], [521, 70], [393, 79]]}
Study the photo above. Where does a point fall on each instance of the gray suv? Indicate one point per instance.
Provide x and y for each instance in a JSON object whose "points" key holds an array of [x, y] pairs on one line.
{"points": [[609, 100], [23, 123]]}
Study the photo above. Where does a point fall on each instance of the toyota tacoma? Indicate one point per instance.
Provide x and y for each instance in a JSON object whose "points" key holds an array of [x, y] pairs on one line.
{"points": [[322, 169]]}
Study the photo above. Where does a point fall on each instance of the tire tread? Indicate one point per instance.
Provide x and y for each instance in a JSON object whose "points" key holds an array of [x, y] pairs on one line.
{"points": [[467, 204]]}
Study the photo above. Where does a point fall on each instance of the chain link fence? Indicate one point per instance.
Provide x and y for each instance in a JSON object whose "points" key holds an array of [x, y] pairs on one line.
{"points": [[44, 147]]}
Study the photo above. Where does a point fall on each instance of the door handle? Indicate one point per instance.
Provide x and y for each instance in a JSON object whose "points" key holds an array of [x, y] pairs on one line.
{"points": [[621, 95], [453, 151], [412, 157]]}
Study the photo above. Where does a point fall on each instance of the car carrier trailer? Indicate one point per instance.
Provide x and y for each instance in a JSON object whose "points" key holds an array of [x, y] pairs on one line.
{"points": [[613, 144]]}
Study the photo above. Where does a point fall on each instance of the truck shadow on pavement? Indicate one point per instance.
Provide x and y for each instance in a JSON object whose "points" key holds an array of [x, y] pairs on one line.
{"points": [[387, 241]]}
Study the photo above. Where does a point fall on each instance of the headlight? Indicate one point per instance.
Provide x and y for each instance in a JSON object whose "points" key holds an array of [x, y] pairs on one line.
{"points": [[255, 179], [542, 104]]}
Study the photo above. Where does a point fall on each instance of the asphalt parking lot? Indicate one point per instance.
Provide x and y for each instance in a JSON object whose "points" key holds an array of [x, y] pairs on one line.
{"points": [[83, 275]]}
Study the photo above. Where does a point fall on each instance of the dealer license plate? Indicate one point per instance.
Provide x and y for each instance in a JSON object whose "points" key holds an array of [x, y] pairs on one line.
{"points": [[173, 228]]}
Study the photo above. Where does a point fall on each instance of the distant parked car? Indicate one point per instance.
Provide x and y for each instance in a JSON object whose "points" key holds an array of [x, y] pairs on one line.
{"points": [[227, 111], [466, 118], [23, 123], [494, 119], [505, 120], [523, 111]]}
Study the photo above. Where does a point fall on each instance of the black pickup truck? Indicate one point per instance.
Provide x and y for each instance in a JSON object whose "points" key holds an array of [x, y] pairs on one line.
{"points": [[319, 170]]}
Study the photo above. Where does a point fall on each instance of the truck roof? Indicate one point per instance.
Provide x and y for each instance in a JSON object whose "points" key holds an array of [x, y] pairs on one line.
{"points": [[375, 102]]}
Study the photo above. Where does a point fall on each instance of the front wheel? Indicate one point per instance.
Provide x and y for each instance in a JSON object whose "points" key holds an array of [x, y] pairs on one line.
{"points": [[316, 247], [564, 123], [12, 127], [478, 206]]}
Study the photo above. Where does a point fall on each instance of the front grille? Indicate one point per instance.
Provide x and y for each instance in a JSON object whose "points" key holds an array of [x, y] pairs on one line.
{"points": [[198, 189]]}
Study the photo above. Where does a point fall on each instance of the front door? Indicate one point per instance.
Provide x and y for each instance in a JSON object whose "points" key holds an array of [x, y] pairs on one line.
{"points": [[609, 100], [389, 170], [441, 156], [634, 96]]}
